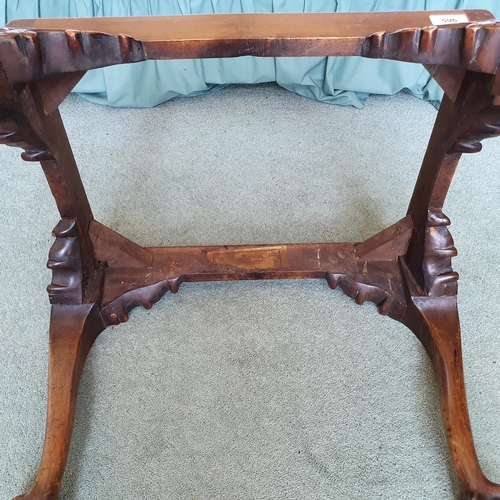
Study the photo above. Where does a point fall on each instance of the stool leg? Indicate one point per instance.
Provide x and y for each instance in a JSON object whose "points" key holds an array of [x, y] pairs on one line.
{"points": [[73, 329], [435, 322]]}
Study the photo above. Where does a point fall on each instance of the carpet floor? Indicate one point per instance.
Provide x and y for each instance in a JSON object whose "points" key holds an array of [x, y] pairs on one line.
{"points": [[249, 390]]}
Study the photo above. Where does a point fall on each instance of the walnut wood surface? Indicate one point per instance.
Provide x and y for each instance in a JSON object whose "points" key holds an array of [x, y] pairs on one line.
{"points": [[15, 131], [54, 46], [66, 264], [434, 320], [73, 330], [295, 26], [128, 287], [99, 276]]}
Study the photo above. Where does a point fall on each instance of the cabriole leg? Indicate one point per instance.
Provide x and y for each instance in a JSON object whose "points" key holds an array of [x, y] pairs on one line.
{"points": [[434, 320], [73, 330], [465, 118]]}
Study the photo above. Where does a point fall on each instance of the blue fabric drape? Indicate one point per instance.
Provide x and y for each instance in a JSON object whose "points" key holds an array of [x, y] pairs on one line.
{"points": [[338, 80]]}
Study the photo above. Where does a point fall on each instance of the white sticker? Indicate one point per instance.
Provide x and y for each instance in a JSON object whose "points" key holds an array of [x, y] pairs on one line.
{"points": [[439, 20]]}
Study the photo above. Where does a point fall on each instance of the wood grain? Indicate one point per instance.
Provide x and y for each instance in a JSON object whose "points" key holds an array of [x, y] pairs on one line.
{"points": [[55, 46], [99, 276]]}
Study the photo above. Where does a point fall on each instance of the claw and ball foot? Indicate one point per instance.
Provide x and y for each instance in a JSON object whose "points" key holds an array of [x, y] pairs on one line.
{"points": [[73, 329]]}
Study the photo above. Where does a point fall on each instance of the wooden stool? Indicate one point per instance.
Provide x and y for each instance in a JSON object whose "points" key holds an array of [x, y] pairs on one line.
{"points": [[99, 276]]}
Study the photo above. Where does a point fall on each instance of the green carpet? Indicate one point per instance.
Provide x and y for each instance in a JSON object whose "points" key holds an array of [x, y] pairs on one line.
{"points": [[249, 390]]}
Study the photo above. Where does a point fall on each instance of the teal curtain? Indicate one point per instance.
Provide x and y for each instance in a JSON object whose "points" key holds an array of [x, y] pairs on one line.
{"points": [[337, 80]]}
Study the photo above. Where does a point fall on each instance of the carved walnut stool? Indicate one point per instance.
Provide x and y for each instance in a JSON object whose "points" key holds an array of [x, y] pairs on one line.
{"points": [[99, 276]]}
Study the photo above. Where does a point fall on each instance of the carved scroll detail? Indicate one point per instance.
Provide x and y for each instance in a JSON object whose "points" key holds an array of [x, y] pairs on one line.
{"points": [[439, 278], [70, 51], [66, 264], [116, 312], [485, 126], [360, 292], [43, 52], [478, 42], [16, 131]]}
